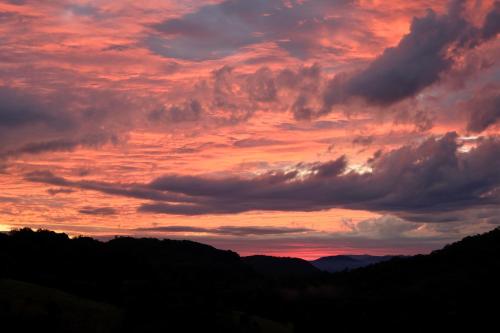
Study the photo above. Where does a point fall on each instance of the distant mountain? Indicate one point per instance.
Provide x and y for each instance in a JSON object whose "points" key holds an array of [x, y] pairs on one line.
{"points": [[281, 266], [340, 263]]}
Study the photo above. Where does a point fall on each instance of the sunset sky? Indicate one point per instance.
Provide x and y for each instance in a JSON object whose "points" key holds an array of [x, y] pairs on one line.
{"points": [[283, 127]]}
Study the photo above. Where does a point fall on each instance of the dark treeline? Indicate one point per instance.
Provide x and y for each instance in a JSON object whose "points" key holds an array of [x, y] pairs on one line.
{"points": [[53, 283]]}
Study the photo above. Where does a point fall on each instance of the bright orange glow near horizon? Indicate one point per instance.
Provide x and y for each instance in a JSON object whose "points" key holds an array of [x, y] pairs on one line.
{"points": [[283, 127]]}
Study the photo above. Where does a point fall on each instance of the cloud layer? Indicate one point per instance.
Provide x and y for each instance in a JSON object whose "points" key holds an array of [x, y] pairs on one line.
{"points": [[435, 176], [335, 123]]}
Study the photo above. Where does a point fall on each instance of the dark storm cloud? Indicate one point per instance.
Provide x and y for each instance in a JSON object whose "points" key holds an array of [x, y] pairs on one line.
{"points": [[184, 209], [256, 142], [34, 122], [219, 30], [94, 140], [435, 176], [26, 118], [40, 147], [85, 10], [17, 2], [139, 191], [314, 125], [228, 230], [56, 191], [261, 86], [363, 140], [20, 109], [197, 147], [228, 96], [308, 83], [416, 62], [492, 23], [88, 210], [329, 169], [484, 109], [190, 111]]}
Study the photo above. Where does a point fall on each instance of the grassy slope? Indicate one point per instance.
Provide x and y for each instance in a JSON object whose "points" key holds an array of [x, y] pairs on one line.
{"points": [[26, 306]]}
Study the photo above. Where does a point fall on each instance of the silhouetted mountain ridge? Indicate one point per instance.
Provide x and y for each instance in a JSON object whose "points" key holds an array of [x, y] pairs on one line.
{"points": [[281, 266], [48, 282], [339, 263]]}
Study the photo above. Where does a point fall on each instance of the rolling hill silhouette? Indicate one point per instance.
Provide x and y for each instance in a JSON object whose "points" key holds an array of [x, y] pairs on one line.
{"points": [[281, 266], [50, 282], [340, 263]]}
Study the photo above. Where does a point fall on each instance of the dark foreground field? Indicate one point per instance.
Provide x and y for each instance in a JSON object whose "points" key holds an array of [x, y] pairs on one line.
{"points": [[51, 283]]}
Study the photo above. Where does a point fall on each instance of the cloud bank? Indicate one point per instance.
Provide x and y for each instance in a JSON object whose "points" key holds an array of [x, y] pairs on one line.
{"points": [[435, 176]]}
